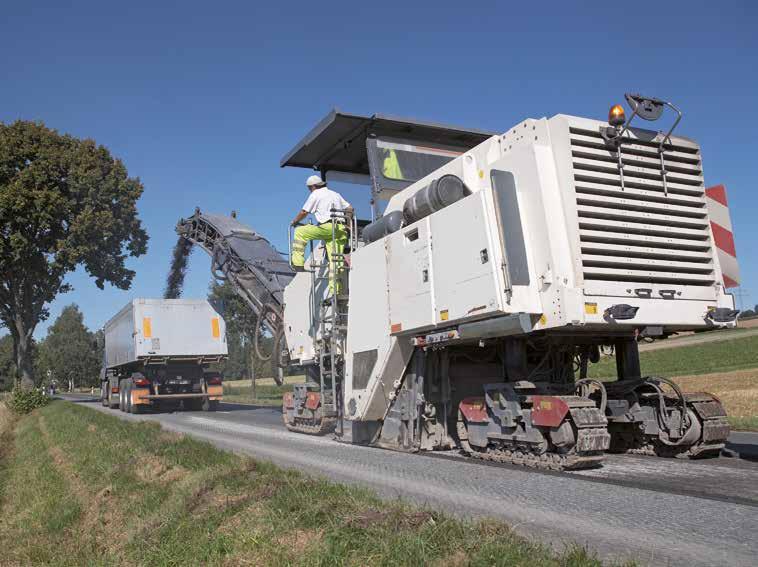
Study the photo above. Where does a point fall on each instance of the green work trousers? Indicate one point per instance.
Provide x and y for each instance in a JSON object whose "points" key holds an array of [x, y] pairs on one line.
{"points": [[308, 232]]}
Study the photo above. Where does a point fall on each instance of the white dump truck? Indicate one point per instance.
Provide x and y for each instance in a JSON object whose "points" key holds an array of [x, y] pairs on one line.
{"points": [[496, 268], [158, 352]]}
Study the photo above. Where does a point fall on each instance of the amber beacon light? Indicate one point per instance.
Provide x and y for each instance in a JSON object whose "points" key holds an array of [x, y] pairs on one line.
{"points": [[616, 115]]}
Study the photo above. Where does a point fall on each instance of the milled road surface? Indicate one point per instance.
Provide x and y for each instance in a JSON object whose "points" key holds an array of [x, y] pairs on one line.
{"points": [[656, 511]]}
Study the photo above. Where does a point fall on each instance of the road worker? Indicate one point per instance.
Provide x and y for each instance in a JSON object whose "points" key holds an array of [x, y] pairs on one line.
{"points": [[321, 203]]}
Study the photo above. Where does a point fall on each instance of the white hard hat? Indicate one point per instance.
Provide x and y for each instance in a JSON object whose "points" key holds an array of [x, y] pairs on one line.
{"points": [[314, 180]]}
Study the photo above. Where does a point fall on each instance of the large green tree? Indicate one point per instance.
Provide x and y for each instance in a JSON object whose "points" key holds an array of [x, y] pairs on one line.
{"points": [[69, 354], [64, 203]]}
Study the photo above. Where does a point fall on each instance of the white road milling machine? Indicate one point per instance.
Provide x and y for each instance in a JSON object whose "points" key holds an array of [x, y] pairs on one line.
{"points": [[496, 269]]}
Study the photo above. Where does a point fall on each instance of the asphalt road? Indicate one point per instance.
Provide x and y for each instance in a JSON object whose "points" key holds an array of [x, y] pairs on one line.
{"points": [[656, 511]]}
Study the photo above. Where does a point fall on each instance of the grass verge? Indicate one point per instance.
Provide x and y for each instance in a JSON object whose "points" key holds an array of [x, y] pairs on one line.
{"points": [[267, 393], [728, 369], [85, 488], [264, 395]]}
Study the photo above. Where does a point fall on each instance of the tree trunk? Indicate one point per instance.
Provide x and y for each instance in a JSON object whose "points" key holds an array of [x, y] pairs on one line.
{"points": [[22, 339]]}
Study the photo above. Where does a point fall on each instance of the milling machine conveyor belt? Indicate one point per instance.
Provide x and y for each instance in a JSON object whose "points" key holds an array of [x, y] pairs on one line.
{"points": [[246, 259]]}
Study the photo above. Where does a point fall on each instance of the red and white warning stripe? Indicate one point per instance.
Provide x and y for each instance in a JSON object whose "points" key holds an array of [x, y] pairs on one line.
{"points": [[723, 236]]}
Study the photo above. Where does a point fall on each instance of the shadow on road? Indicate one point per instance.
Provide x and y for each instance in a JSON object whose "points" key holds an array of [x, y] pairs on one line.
{"points": [[225, 406], [230, 406], [746, 451]]}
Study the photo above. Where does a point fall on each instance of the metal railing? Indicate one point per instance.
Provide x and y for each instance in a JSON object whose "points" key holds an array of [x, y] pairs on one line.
{"points": [[332, 320]]}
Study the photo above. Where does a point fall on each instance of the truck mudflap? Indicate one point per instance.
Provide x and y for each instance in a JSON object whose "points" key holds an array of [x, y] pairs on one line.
{"points": [[547, 432], [215, 392], [302, 412], [140, 396], [647, 420]]}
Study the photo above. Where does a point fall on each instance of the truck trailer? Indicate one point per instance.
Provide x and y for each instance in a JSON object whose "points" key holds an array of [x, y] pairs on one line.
{"points": [[496, 268], [158, 352]]}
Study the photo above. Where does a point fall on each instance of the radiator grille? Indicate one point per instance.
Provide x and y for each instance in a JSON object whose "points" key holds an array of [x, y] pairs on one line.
{"points": [[641, 233]]}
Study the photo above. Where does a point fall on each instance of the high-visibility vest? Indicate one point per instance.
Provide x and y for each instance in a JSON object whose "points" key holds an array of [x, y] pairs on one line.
{"points": [[391, 167]]}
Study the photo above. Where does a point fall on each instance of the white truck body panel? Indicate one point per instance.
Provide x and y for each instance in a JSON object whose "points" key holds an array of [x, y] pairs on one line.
{"points": [[159, 328]]}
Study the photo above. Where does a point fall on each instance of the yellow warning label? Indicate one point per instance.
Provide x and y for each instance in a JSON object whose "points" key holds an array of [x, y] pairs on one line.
{"points": [[590, 308], [546, 405], [215, 328], [543, 320], [147, 327], [444, 315]]}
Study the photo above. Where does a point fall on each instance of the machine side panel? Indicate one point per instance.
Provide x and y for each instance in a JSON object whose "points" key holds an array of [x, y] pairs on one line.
{"points": [[528, 247], [464, 270], [301, 324], [509, 222], [368, 330], [410, 277]]}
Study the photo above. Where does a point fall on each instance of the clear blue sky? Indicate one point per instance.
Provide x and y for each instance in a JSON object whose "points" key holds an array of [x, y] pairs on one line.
{"points": [[201, 100]]}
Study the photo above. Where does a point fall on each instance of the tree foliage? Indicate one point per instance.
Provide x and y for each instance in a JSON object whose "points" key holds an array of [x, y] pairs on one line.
{"points": [[240, 326], [24, 401], [7, 364], [69, 354], [64, 203]]}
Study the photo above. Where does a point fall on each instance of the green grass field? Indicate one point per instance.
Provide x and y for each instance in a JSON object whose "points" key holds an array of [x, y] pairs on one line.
{"points": [[706, 358], [79, 487]]}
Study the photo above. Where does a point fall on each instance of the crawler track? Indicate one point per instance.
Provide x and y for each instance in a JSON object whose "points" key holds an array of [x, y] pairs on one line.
{"points": [[545, 461], [311, 427]]}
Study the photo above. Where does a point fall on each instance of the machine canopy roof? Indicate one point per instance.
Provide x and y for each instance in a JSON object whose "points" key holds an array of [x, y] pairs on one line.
{"points": [[338, 142]]}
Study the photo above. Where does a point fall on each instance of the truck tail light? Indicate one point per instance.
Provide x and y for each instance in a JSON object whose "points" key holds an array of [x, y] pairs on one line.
{"points": [[142, 382], [114, 390], [214, 381]]}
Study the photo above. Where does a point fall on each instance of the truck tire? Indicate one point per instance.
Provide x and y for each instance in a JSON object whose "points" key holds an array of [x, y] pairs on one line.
{"points": [[134, 408], [109, 398], [209, 405], [128, 397], [193, 404], [121, 397]]}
